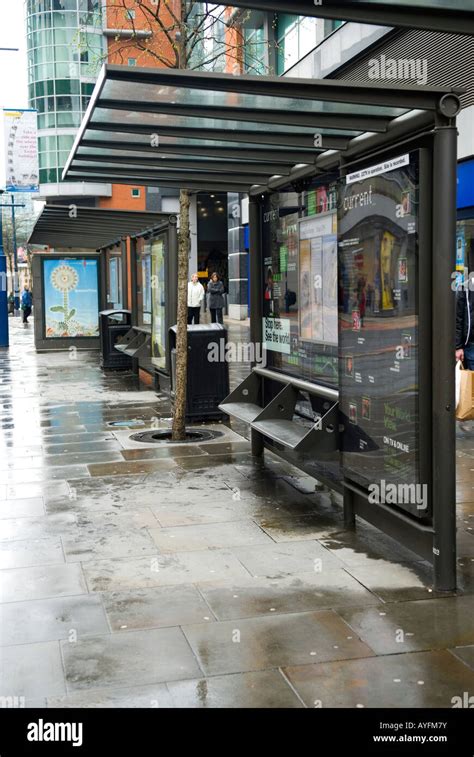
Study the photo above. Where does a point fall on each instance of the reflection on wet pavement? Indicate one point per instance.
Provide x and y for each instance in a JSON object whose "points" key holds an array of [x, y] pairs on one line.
{"points": [[141, 576]]}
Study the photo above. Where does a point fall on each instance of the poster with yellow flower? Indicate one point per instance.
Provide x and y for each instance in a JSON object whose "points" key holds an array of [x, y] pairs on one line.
{"points": [[71, 298]]}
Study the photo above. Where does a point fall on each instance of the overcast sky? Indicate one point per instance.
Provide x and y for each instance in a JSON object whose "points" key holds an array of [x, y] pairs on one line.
{"points": [[13, 77]]}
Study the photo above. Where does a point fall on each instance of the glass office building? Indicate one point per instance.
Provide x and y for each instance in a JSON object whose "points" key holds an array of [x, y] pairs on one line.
{"points": [[65, 51]]}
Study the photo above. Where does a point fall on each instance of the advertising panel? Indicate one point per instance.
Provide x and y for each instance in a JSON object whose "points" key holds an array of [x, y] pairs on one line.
{"points": [[71, 297], [378, 324], [158, 294], [21, 150], [300, 284]]}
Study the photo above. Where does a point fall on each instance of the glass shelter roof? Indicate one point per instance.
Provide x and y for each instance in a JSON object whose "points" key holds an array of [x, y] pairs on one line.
{"points": [[201, 130]]}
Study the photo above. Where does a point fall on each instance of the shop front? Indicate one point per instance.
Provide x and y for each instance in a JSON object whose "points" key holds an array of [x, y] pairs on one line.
{"points": [[465, 224]]}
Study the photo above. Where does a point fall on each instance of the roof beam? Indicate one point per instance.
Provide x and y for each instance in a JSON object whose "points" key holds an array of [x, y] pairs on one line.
{"points": [[194, 183], [313, 120], [263, 137], [195, 165], [143, 175], [211, 151], [329, 90]]}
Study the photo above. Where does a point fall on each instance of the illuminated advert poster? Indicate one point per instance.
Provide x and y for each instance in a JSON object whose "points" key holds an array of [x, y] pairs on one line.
{"points": [[158, 289], [71, 298], [378, 324], [300, 324]]}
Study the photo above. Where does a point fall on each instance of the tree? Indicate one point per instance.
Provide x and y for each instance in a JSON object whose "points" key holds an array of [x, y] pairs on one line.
{"points": [[180, 34]]}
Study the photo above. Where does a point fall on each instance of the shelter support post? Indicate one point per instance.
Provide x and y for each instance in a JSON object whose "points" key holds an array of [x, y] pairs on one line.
{"points": [[349, 508], [443, 347], [256, 310]]}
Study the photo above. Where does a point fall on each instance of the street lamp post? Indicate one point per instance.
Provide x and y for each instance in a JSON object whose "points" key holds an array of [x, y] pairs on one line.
{"points": [[16, 278], [3, 288]]}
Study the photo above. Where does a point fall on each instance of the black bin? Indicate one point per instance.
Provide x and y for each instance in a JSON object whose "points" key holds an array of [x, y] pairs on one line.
{"points": [[113, 325], [208, 381]]}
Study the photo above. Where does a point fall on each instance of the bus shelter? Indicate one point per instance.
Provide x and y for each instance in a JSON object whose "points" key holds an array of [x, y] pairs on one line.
{"points": [[352, 247], [83, 263]]}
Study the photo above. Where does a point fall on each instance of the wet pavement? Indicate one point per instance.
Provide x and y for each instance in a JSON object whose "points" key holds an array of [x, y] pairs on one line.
{"points": [[135, 575]]}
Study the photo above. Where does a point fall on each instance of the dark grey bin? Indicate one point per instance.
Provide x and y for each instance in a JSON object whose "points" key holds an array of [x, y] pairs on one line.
{"points": [[207, 382], [114, 324]]}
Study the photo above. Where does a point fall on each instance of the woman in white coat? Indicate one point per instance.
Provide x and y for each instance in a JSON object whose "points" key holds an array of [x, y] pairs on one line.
{"points": [[195, 298]]}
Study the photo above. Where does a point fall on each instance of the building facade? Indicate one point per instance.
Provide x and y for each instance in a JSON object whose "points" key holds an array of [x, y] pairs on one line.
{"points": [[65, 46]]}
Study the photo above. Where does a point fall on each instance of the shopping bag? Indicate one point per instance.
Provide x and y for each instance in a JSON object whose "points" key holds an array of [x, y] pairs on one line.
{"points": [[465, 406], [457, 374]]}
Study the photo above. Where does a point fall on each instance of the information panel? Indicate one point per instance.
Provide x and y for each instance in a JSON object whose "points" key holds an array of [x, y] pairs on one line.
{"points": [[378, 326]]}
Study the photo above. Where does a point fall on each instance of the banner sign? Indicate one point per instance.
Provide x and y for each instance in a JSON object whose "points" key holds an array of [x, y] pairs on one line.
{"points": [[21, 150]]}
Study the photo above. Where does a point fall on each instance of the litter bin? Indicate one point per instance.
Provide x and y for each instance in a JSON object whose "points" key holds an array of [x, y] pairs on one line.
{"points": [[113, 325], [208, 380]]}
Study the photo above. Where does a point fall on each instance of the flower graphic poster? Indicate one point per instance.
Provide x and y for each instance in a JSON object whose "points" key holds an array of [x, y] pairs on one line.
{"points": [[71, 298]]}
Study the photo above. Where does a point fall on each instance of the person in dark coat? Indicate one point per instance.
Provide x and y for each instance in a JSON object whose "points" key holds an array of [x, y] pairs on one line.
{"points": [[26, 304], [465, 325], [215, 288]]}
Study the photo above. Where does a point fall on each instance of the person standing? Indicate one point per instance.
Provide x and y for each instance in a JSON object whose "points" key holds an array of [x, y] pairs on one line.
{"points": [[26, 304], [195, 298], [465, 325], [215, 288]]}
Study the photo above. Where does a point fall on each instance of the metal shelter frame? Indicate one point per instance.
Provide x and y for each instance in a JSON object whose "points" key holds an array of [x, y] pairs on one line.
{"points": [[92, 228], [131, 133]]}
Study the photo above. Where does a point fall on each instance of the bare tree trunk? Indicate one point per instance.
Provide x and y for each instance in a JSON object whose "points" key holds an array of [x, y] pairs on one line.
{"points": [[179, 416]]}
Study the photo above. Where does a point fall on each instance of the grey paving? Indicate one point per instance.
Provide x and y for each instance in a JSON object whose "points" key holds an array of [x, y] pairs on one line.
{"points": [[260, 643], [422, 679], [152, 656], [156, 608], [51, 619], [265, 689], [199, 576], [31, 670]]}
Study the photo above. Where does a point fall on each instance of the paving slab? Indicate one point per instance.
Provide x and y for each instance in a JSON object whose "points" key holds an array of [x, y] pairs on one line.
{"points": [[154, 696], [40, 582], [156, 608], [243, 645], [151, 656], [190, 538], [412, 626], [51, 619], [294, 594], [416, 680], [162, 570], [31, 671], [263, 689], [27, 552]]}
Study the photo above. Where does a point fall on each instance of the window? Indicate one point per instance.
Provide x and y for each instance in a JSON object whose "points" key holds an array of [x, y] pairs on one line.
{"points": [[132, 62], [135, 193], [296, 37], [254, 51]]}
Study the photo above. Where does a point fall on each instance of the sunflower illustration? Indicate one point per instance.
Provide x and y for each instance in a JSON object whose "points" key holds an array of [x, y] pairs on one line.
{"points": [[64, 279]]}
